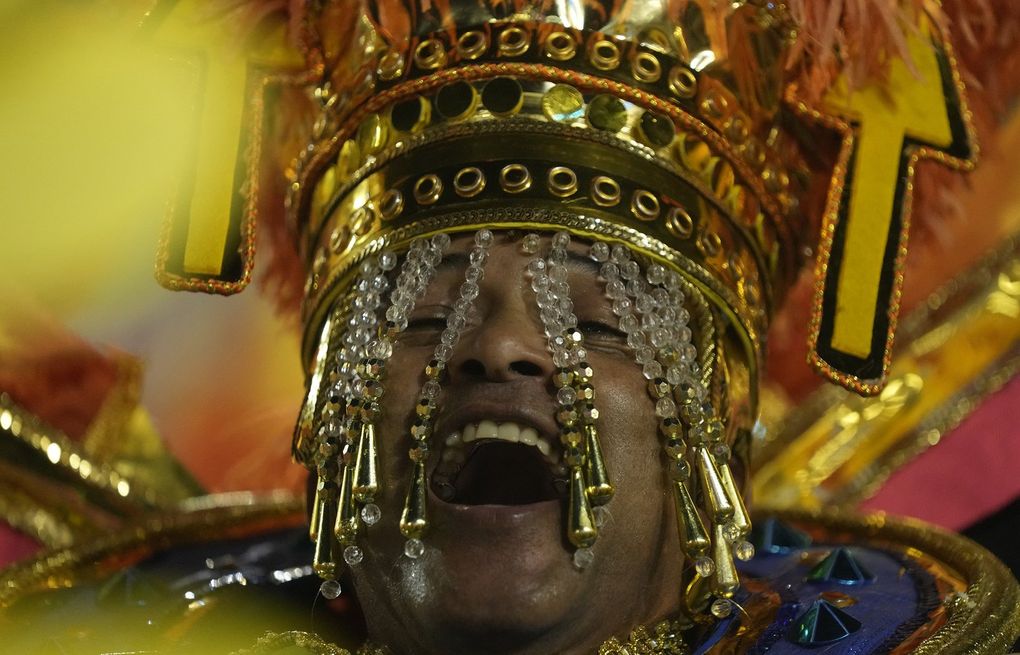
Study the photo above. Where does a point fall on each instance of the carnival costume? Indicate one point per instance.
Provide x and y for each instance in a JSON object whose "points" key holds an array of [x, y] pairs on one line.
{"points": [[702, 155]]}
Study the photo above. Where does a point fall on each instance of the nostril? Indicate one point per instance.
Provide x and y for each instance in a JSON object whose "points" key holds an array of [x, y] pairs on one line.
{"points": [[473, 368], [525, 367]]}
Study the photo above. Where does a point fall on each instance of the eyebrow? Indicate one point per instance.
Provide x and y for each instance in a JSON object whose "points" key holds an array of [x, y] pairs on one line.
{"points": [[453, 261], [575, 260], [583, 262]]}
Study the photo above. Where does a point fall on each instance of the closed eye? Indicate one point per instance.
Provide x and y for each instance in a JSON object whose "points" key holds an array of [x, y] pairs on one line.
{"points": [[600, 330], [426, 324]]}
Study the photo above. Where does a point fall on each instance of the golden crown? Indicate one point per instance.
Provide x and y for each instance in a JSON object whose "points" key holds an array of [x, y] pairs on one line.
{"points": [[679, 128]]}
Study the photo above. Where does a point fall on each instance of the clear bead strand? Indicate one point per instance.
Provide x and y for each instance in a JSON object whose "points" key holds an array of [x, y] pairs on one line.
{"points": [[425, 409], [643, 317], [575, 394]]}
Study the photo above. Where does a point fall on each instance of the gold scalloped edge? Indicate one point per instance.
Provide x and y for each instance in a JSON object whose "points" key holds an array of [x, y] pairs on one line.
{"points": [[988, 624]]}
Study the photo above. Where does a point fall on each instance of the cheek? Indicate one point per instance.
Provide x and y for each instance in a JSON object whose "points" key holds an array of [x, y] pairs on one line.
{"points": [[630, 442]]}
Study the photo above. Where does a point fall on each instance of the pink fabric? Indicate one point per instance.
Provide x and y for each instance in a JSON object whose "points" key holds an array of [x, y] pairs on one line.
{"points": [[971, 473], [15, 546]]}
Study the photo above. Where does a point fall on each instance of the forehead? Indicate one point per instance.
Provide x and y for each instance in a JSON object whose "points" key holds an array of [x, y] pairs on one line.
{"points": [[507, 254]]}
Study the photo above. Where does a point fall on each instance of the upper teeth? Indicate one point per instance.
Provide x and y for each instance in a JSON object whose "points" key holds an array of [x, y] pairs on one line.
{"points": [[506, 431]]}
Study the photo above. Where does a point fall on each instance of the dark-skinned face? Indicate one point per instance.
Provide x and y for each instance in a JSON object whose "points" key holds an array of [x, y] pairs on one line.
{"points": [[497, 574]]}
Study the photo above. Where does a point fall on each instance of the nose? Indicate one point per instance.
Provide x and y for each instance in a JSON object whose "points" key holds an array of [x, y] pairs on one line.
{"points": [[506, 346]]}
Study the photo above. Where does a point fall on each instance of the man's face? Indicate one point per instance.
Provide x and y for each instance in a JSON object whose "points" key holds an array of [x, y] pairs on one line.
{"points": [[497, 574]]}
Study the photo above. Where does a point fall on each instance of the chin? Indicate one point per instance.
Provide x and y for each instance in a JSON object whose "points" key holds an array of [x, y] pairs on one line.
{"points": [[509, 582]]}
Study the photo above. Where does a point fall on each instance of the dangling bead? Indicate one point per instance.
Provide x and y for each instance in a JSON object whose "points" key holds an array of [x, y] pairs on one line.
{"points": [[370, 514], [330, 589]]}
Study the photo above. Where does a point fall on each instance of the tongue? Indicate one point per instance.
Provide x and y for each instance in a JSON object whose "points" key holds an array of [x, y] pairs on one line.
{"points": [[500, 473]]}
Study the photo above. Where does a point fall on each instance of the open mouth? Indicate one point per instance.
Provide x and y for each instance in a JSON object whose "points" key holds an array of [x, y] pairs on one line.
{"points": [[489, 463]]}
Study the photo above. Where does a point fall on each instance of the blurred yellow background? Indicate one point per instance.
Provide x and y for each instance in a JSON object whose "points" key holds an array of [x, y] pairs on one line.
{"points": [[95, 126]]}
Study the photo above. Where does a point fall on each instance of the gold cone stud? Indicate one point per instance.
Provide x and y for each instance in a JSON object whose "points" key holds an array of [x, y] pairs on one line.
{"points": [[323, 562], [346, 526], [599, 489], [414, 519], [711, 485], [366, 479], [741, 519], [581, 528], [726, 581], [693, 535], [316, 519]]}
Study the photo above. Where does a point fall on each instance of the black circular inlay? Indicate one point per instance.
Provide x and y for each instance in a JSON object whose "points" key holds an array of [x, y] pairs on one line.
{"points": [[455, 100], [405, 115], [502, 95]]}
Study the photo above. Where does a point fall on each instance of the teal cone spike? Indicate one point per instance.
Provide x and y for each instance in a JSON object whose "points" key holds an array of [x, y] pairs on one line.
{"points": [[822, 624], [840, 566], [774, 537]]}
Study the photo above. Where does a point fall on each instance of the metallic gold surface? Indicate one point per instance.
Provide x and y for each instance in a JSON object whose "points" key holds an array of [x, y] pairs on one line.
{"points": [[725, 580], [693, 536], [324, 561], [214, 517], [598, 486], [414, 518], [837, 448], [306, 418], [581, 529], [741, 519], [44, 447], [346, 527], [560, 46], [712, 486], [562, 181], [469, 182], [563, 103], [515, 178], [366, 465], [605, 191]]}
